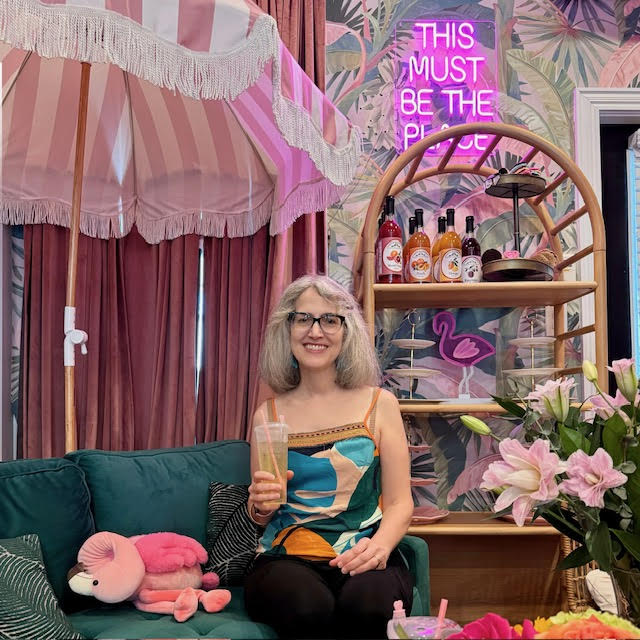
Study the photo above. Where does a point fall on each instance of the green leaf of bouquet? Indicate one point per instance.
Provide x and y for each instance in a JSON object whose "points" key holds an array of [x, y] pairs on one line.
{"points": [[596, 438], [614, 430], [563, 526], [630, 541], [572, 440], [573, 420], [598, 542], [510, 406], [633, 486], [577, 558]]}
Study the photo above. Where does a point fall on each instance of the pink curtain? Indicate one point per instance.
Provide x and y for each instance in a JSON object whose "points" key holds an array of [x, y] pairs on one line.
{"points": [[239, 296], [137, 302]]}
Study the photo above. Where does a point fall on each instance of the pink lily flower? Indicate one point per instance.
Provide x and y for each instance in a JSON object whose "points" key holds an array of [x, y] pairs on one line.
{"points": [[591, 476], [529, 476], [551, 399], [603, 409], [626, 378]]}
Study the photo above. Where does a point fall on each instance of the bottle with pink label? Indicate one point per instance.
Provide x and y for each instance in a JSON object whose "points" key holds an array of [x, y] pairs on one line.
{"points": [[389, 247], [450, 252]]}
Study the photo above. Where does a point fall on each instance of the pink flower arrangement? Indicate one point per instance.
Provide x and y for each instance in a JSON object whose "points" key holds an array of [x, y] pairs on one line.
{"points": [[580, 472], [493, 627]]}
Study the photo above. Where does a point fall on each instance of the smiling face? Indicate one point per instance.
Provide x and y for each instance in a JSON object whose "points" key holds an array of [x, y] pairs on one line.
{"points": [[312, 347]]}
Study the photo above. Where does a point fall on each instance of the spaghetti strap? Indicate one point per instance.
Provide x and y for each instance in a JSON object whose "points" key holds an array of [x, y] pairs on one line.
{"points": [[376, 395], [272, 410]]}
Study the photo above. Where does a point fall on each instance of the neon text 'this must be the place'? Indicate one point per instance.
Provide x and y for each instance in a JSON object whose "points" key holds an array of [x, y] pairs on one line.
{"points": [[445, 76]]}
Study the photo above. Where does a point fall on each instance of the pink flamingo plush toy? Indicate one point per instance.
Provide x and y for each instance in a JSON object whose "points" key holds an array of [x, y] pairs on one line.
{"points": [[462, 350], [159, 572]]}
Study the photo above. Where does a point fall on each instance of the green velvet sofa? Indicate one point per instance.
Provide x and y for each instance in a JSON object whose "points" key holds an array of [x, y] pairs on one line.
{"points": [[65, 500]]}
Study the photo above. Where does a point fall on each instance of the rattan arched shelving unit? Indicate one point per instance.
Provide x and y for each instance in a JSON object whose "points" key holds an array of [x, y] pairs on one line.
{"points": [[492, 294]]}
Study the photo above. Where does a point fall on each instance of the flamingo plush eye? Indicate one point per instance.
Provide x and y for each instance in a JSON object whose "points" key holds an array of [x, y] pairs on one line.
{"points": [[95, 583]]}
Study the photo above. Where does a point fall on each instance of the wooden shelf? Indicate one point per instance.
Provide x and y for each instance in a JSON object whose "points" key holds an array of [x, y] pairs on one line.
{"points": [[467, 523], [417, 406], [480, 294]]}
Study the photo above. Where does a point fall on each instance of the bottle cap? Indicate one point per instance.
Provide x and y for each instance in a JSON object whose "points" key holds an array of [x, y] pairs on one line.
{"points": [[419, 219], [450, 217], [469, 221], [442, 224], [412, 225], [390, 205]]}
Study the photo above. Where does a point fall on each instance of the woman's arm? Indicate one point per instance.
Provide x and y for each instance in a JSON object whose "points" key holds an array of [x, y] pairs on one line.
{"points": [[397, 502]]}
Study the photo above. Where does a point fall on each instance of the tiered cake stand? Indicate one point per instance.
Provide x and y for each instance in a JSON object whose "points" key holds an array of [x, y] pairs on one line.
{"points": [[515, 186]]}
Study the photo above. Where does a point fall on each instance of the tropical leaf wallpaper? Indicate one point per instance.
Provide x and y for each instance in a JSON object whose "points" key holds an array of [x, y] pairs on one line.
{"points": [[544, 49]]}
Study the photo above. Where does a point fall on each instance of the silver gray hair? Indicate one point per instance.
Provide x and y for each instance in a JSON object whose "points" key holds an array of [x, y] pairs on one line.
{"points": [[357, 364]]}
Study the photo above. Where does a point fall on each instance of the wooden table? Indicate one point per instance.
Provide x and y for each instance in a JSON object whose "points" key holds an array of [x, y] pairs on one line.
{"points": [[483, 565]]}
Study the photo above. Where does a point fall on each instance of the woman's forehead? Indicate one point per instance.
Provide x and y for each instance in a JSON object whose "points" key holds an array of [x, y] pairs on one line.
{"points": [[310, 299]]}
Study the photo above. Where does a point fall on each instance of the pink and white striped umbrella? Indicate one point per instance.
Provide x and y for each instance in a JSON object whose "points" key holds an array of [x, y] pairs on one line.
{"points": [[199, 121]]}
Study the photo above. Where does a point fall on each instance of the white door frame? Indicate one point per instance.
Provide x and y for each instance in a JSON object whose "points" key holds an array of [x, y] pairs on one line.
{"points": [[593, 107], [7, 436]]}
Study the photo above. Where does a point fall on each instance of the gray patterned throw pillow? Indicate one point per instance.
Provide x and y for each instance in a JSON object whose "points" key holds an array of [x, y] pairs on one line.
{"points": [[28, 607], [232, 537]]}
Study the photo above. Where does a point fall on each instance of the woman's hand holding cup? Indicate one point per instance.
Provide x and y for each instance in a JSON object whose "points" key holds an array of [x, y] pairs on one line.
{"points": [[265, 492]]}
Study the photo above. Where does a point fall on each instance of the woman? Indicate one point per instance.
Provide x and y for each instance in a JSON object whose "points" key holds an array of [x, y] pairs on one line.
{"points": [[327, 564]]}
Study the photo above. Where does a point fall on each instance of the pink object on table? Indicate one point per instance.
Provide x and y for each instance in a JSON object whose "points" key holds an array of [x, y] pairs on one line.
{"points": [[510, 254], [428, 514]]}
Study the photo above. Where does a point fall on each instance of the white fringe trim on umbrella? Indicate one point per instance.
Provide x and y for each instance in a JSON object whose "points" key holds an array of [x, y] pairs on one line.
{"points": [[306, 198], [94, 225], [94, 35]]}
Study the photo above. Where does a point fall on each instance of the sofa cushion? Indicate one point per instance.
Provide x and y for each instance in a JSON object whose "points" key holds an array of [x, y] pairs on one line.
{"points": [[136, 492], [232, 537], [29, 609], [125, 621], [49, 498]]}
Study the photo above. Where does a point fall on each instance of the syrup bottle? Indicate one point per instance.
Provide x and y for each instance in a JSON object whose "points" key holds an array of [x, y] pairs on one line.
{"points": [[418, 253], [435, 248], [450, 252], [405, 251], [471, 254], [389, 269]]}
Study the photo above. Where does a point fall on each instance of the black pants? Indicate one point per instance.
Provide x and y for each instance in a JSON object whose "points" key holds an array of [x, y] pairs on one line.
{"points": [[302, 599]]}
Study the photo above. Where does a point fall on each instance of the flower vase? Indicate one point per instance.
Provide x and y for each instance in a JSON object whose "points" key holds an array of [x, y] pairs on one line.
{"points": [[626, 584]]}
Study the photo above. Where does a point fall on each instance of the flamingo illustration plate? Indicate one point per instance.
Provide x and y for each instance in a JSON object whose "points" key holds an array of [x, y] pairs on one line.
{"points": [[412, 373], [423, 482], [412, 344], [536, 341], [428, 514], [538, 371]]}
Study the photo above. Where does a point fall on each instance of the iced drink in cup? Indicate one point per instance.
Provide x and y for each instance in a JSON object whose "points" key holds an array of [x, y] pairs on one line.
{"points": [[272, 443]]}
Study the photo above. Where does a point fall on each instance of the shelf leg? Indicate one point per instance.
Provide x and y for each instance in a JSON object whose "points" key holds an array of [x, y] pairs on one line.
{"points": [[516, 219]]}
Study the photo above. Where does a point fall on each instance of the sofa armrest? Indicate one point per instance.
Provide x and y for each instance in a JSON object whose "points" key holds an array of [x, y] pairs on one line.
{"points": [[415, 552]]}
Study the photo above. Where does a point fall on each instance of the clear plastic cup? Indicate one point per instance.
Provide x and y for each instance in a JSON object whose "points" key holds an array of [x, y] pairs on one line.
{"points": [[272, 443], [416, 627]]}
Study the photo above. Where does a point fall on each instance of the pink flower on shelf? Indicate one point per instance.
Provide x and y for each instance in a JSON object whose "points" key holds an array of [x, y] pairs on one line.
{"points": [[606, 406], [551, 399], [529, 476], [591, 476], [626, 378], [493, 627]]}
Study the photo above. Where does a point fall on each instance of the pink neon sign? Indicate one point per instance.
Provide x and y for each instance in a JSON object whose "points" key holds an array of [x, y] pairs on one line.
{"points": [[445, 75]]}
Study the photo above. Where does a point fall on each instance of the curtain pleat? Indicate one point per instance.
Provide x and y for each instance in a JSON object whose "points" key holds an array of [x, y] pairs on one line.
{"points": [[136, 387]]}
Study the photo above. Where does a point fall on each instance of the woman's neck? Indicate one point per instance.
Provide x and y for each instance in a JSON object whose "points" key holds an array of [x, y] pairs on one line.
{"points": [[317, 383]]}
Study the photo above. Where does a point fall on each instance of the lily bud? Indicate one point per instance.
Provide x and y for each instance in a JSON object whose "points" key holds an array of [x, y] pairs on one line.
{"points": [[590, 371], [626, 378], [476, 425]]}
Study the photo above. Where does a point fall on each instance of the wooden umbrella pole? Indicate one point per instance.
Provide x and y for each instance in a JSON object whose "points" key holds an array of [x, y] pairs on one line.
{"points": [[70, 431]]}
